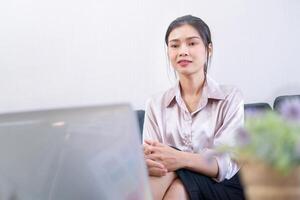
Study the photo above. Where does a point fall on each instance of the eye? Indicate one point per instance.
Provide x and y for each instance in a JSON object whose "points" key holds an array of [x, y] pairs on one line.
{"points": [[192, 43], [173, 45]]}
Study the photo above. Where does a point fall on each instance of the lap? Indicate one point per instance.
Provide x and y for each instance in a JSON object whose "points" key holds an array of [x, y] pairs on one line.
{"points": [[202, 187]]}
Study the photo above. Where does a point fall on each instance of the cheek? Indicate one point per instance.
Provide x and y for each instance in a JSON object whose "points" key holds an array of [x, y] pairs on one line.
{"points": [[200, 54], [172, 56]]}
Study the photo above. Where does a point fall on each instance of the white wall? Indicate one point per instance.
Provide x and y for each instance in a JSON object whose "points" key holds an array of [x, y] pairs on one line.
{"points": [[70, 52]]}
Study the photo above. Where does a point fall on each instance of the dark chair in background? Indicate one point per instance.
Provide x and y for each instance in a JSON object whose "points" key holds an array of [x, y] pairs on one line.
{"points": [[257, 106], [253, 108], [278, 100], [140, 116]]}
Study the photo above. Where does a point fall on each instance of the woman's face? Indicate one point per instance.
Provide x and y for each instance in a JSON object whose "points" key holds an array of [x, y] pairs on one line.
{"points": [[186, 51]]}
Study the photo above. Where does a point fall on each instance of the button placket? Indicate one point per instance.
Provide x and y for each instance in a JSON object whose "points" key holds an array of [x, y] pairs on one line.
{"points": [[187, 119], [189, 133]]}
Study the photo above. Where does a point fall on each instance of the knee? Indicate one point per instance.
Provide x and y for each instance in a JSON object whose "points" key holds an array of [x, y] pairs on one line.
{"points": [[159, 185], [176, 191], [176, 185]]}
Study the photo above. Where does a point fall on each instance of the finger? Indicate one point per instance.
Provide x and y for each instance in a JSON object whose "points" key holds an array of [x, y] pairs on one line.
{"points": [[152, 163], [157, 144], [146, 149], [146, 145], [153, 149], [154, 157], [154, 171], [149, 142], [147, 152]]}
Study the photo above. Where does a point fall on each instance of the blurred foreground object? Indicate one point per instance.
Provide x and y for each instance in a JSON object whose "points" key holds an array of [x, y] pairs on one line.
{"points": [[269, 149]]}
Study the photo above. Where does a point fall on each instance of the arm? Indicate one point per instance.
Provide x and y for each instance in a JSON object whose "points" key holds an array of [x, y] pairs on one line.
{"points": [[174, 159], [151, 131], [233, 119]]}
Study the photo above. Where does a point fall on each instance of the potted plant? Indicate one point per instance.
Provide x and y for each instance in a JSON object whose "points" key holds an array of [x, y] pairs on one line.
{"points": [[269, 151]]}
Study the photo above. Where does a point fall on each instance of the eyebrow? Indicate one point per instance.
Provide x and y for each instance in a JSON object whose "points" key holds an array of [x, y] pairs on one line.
{"points": [[188, 38]]}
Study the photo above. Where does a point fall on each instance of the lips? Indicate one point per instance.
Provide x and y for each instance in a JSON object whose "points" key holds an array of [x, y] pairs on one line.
{"points": [[184, 63]]}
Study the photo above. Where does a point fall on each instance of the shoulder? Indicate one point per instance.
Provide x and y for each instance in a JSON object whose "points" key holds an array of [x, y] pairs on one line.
{"points": [[229, 98], [233, 103], [231, 92], [161, 99], [222, 92]]}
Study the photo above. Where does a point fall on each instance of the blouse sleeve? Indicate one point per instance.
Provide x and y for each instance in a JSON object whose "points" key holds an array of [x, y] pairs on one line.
{"points": [[233, 119], [151, 128]]}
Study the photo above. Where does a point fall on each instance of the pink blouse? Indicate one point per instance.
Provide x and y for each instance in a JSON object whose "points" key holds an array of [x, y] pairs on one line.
{"points": [[219, 114]]}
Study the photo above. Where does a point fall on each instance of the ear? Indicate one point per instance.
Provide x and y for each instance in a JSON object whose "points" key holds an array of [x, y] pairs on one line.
{"points": [[210, 49]]}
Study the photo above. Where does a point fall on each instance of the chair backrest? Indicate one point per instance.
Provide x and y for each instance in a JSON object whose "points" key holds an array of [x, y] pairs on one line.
{"points": [[251, 108], [278, 100], [140, 115]]}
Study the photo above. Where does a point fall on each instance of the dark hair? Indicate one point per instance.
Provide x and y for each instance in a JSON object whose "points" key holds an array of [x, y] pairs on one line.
{"points": [[201, 27]]}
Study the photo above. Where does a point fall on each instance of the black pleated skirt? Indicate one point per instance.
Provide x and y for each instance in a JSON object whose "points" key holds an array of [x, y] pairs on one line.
{"points": [[200, 187]]}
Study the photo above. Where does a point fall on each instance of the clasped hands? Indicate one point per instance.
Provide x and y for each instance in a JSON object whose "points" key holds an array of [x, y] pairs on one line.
{"points": [[161, 158]]}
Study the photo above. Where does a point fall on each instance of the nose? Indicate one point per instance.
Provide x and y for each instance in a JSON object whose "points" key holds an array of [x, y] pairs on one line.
{"points": [[183, 51]]}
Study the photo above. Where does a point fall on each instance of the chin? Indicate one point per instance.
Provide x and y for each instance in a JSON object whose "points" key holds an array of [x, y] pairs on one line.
{"points": [[189, 72], [185, 72]]}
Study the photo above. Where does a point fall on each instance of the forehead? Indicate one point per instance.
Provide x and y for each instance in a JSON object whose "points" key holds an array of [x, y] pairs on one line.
{"points": [[183, 32]]}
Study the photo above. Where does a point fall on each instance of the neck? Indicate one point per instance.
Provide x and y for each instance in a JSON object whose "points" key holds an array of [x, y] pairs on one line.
{"points": [[192, 85]]}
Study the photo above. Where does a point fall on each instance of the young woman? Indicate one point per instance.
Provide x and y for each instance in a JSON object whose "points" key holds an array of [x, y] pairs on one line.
{"points": [[184, 125]]}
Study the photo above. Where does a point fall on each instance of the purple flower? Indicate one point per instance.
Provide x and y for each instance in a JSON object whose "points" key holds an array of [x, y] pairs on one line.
{"points": [[254, 113], [242, 137], [290, 109], [210, 155]]}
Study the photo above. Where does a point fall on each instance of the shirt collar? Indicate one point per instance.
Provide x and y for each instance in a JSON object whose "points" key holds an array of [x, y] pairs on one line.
{"points": [[211, 90], [214, 90]]}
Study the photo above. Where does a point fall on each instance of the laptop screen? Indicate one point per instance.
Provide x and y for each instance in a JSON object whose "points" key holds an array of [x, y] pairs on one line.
{"points": [[74, 153]]}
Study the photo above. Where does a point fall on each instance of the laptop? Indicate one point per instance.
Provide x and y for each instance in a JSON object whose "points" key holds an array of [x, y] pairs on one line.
{"points": [[88, 153]]}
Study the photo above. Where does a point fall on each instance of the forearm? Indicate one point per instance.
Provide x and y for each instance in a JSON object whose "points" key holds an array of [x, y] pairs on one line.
{"points": [[199, 163], [174, 159]]}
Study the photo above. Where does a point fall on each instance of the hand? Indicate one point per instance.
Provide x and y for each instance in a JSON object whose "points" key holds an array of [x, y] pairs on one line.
{"points": [[154, 168], [169, 157]]}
